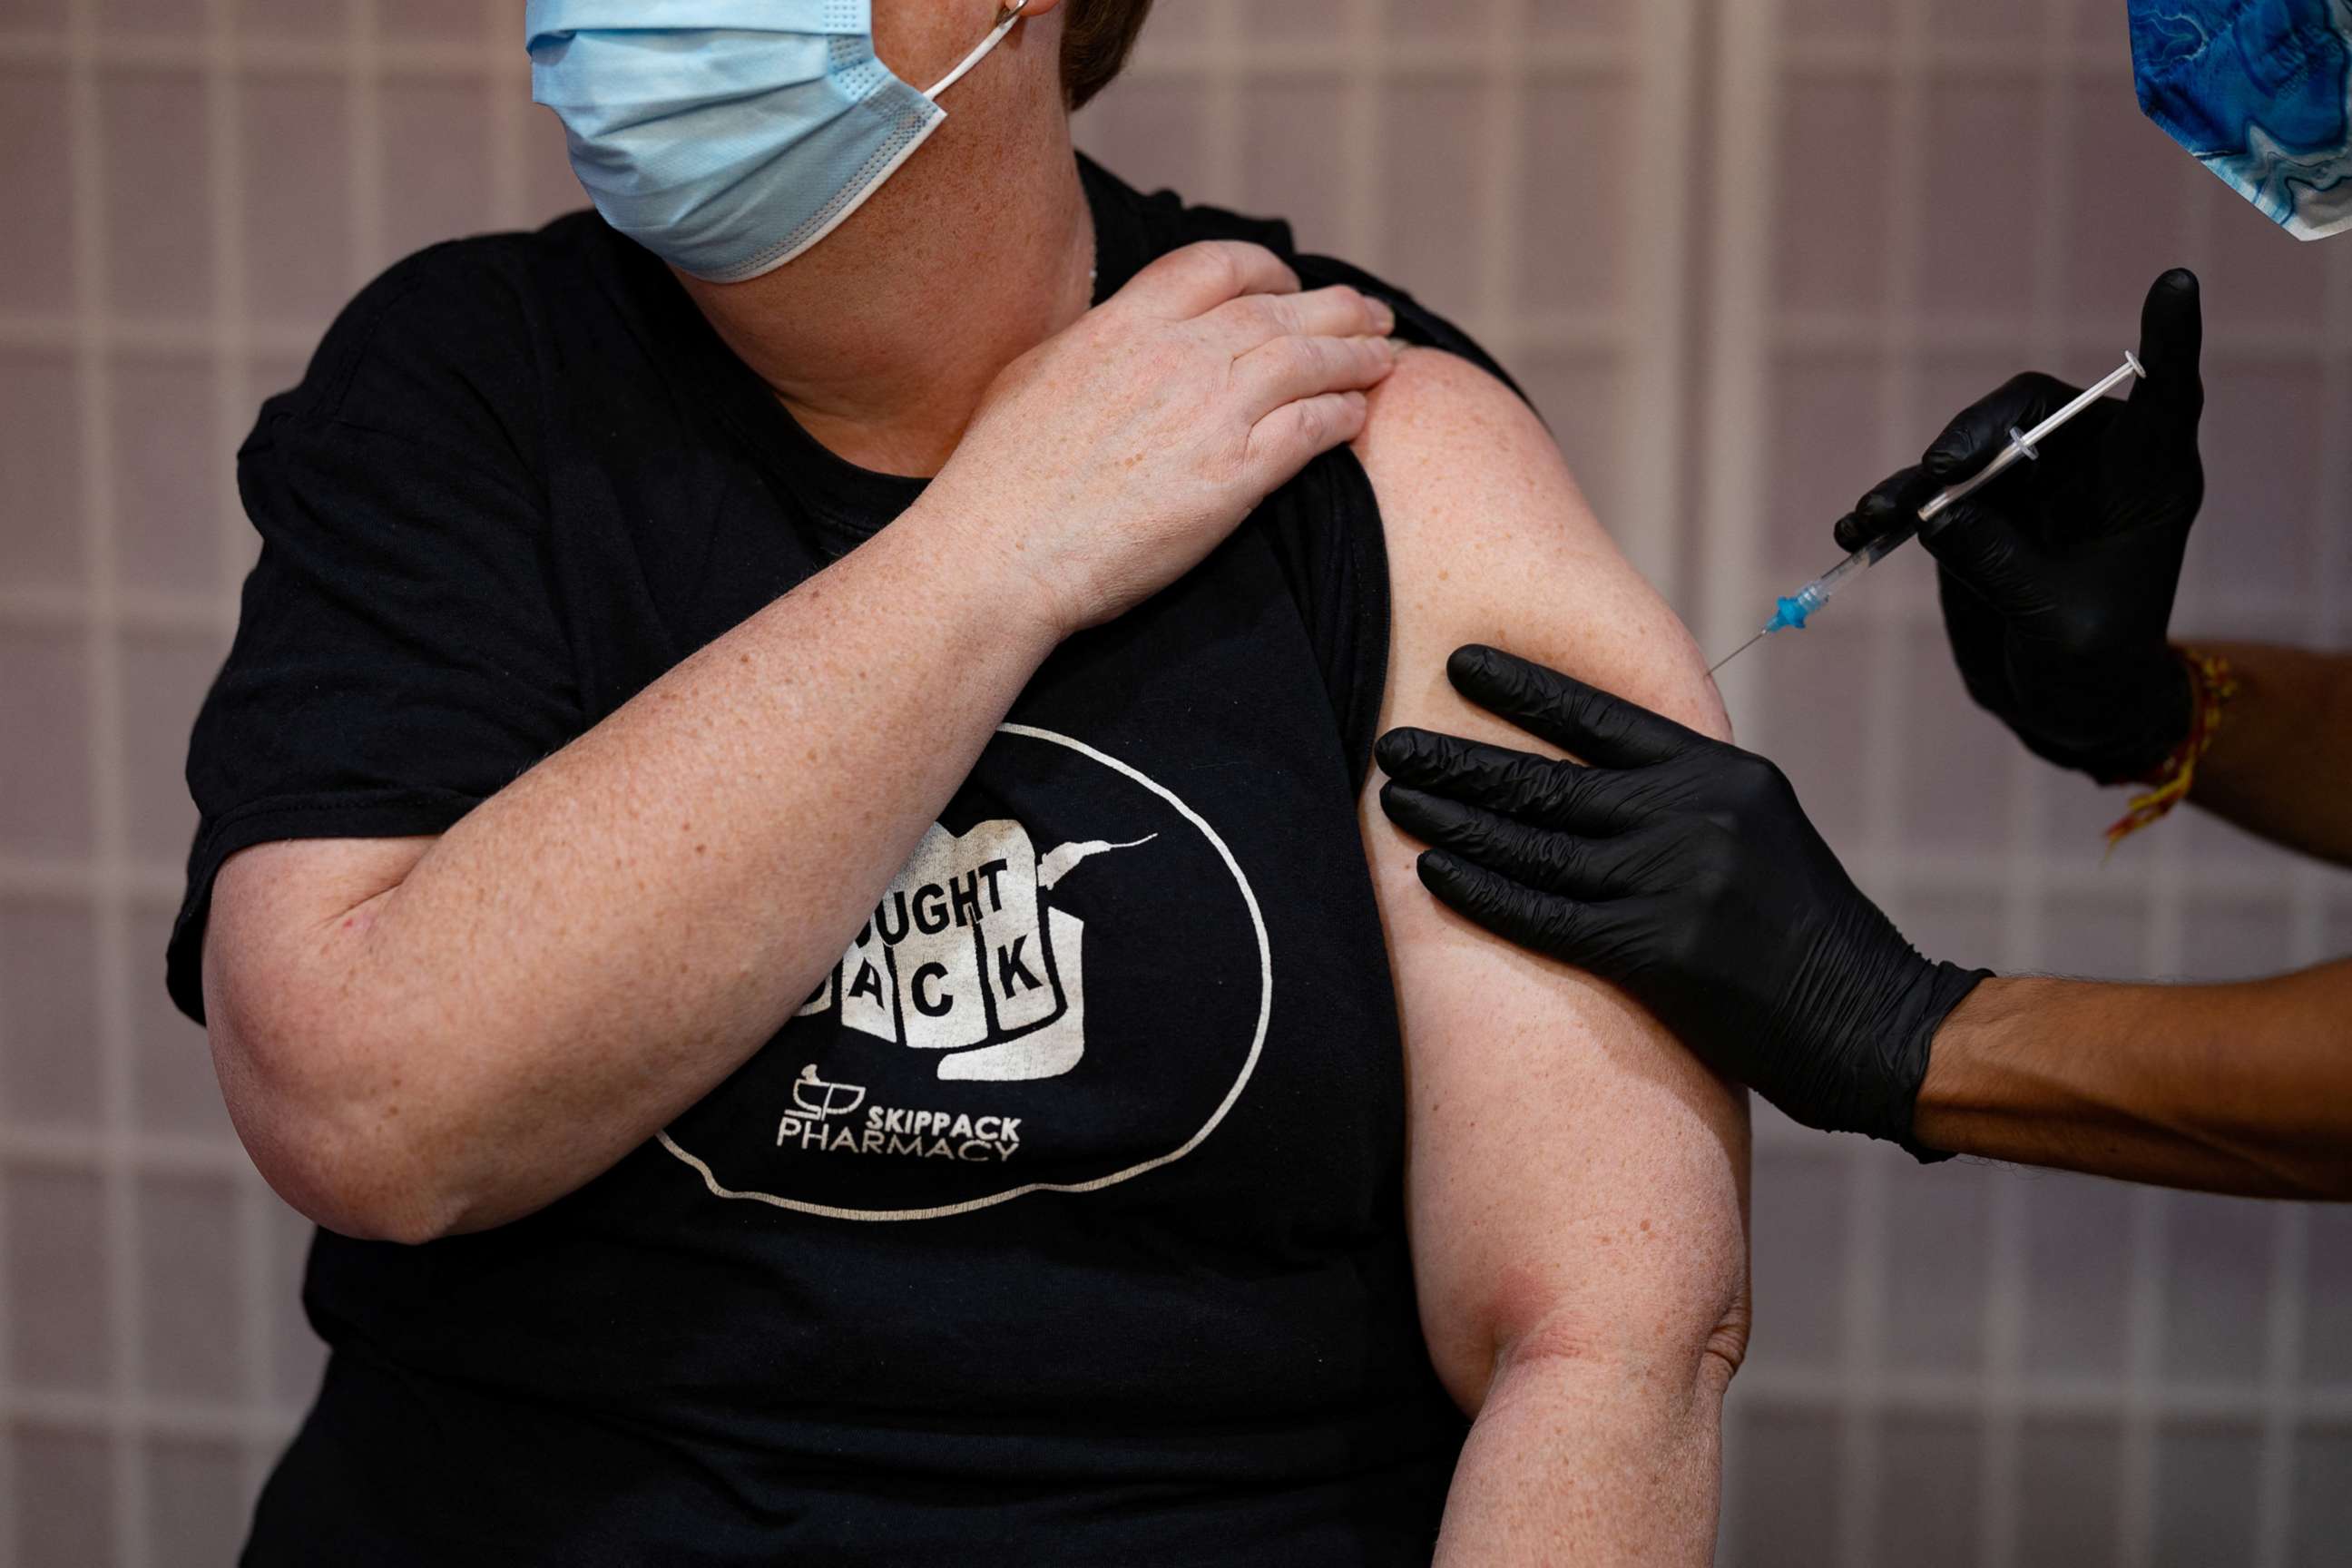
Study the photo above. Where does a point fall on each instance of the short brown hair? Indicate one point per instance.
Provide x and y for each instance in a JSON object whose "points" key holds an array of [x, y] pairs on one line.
{"points": [[1096, 37]]}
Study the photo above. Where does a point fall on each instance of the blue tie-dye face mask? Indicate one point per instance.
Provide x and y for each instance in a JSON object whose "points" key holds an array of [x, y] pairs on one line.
{"points": [[2261, 91]]}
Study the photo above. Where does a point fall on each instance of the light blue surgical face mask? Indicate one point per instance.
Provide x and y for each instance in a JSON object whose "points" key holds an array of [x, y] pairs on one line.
{"points": [[729, 136], [2261, 90]]}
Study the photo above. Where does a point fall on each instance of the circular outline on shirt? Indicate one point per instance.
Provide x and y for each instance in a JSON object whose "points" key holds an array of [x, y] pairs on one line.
{"points": [[1249, 1067]]}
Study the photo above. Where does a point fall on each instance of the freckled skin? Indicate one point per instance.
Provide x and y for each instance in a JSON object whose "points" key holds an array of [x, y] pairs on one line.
{"points": [[1549, 1117]]}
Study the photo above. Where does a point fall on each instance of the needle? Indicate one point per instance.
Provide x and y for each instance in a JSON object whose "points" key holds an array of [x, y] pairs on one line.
{"points": [[1734, 653]]}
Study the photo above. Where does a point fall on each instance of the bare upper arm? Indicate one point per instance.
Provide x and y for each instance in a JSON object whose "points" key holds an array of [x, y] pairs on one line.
{"points": [[1576, 1180]]}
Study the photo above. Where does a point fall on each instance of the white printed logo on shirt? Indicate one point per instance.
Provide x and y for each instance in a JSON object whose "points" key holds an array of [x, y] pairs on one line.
{"points": [[965, 955], [954, 1059]]}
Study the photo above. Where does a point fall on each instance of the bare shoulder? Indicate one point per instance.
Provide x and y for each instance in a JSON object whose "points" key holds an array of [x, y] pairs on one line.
{"points": [[1491, 540]]}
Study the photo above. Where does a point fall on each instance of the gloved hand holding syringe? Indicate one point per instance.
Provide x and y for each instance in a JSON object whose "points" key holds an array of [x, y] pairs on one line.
{"points": [[1793, 611]]}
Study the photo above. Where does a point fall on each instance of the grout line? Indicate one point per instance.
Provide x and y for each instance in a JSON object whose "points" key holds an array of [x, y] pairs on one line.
{"points": [[1659, 271], [2000, 1490], [1500, 182], [2169, 875], [1747, 98], [1222, 152], [364, 87], [1364, 129], [1868, 1167], [1236, 57], [510, 105], [127, 1472]]}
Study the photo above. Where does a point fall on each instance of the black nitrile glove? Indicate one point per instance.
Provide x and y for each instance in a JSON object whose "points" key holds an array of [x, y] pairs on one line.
{"points": [[1684, 871], [2058, 577]]}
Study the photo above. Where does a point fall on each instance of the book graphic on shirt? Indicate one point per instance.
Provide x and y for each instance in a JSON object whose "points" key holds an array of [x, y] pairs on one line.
{"points": [[966, 956]]}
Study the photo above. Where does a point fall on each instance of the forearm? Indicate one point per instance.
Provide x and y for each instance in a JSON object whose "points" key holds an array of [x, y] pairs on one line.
{"points": [[1574, 1460], [590, 951], [2241, 1088], [2282, 765]]}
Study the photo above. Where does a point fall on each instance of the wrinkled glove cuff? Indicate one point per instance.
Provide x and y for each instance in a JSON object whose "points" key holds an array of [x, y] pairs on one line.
{"points": [[1947, 985]]}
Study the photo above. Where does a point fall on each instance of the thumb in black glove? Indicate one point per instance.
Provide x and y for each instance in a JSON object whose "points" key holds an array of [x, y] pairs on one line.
{"points": [[2058, 579], [1684, 871]]}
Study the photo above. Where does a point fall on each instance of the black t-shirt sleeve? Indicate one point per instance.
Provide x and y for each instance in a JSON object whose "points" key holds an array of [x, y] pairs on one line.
{"points": [[398, 657]]}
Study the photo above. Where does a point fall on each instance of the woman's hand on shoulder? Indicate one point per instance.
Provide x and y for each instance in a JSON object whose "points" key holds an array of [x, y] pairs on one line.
{"points": [[1111, 458]]}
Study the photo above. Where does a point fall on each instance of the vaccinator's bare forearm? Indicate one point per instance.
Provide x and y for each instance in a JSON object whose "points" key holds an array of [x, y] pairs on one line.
{"points": [[2242, 1089]]}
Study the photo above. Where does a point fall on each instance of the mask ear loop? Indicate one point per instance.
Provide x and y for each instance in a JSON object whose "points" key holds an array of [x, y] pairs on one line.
{"points": [[1006, 18]]}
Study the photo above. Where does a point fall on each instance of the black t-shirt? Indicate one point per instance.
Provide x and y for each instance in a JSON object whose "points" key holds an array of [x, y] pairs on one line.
{"points": [[1063, 1224]]}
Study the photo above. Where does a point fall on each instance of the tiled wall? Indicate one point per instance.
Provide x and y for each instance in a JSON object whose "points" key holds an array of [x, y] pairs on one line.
{"points": [[1744, 253]]}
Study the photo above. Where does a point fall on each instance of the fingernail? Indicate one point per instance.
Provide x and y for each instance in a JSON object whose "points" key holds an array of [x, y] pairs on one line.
{"points": [[1385, 316], [1398, 345]]}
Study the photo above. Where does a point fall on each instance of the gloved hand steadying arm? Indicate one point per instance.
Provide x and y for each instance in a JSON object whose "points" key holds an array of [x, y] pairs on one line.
{"points": [[2058, 578], [1684, 871]]}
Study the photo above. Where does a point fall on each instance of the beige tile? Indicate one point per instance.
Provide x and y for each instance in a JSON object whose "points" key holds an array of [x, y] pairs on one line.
{"points": [[297, 1357], [2268, 444], [2322, 1512], [1991, 21], [63, 1495], [1288, 20], [1981, 138], [45, 789], [48, 1014], [1581, 19], [1297, 169], [171, 475], [1842, 20], [1799, 1231], [1576, 220], [191, 1303], [166, 676], [1831, 215], [452, 21], [1938, 1246], [57, 1321], [1929, 1470], [152, 18], [36, 192], [1960, 774], [295, 141], [2079, 1274], [2207, 1478], [307, 19], [41, 531], [2217, 1266], [2068, 1479], [1435, 191], [1826, 410], [197, 1504], [32, 15], [1784, 1510], [1413, 20], [1151, 133], [159, 192], [436, 175]]}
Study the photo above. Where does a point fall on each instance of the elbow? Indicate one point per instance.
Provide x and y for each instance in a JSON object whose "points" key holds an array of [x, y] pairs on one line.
{"points": [[1677, 1360], [339, 1142]]}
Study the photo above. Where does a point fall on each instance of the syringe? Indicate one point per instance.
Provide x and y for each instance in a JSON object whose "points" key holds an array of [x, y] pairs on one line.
{"points": [[1806, 602]]}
